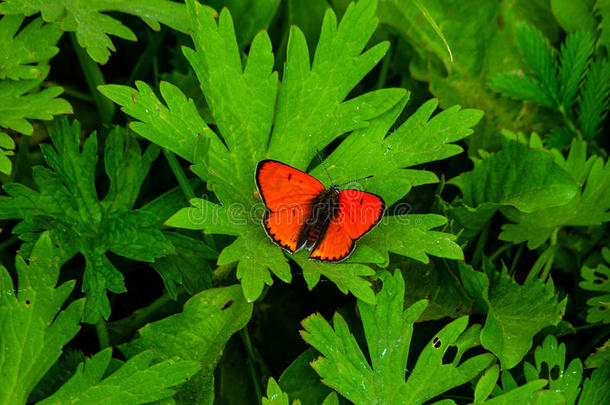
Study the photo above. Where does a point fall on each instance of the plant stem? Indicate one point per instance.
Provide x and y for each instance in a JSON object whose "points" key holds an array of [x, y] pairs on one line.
{"points": [[10, 241], [549, 263], [516, 258], [245, 338], [94, 78], [499, 251], [385, 66], [477, 257], [183, 181], [102, 334], [147, 59], [569, 122]]}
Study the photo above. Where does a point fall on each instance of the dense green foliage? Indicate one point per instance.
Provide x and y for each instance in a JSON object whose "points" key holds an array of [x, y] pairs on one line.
{"points": [[134, 265]]}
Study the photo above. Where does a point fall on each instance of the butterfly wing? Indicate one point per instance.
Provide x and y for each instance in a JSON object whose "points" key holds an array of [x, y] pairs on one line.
{"points": [[288, 194], [358, 213]]}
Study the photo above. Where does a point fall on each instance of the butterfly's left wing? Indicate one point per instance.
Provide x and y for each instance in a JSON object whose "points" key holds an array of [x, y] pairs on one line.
{"points": [[358, 213], [288, 194]]}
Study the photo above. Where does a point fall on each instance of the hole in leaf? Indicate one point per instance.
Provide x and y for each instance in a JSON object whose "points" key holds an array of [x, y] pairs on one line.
{"points": [[555, 372], [544, 371], [27, 302], [450, 354], [436, 342], [600, 275], [597, 281], [227, 305]]}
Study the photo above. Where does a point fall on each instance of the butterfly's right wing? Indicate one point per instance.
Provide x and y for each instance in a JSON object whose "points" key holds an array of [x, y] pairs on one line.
{"points": [[288, 194]]}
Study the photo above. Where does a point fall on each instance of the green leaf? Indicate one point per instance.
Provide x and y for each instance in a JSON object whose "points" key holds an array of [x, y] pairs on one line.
{"points": [[199, 333], [603, 8], [515, 314], [19, 102], [33, 329], [598, 280], [549, 363], [67, 206], [309, 112], [596, 389], [187, 267], [388, 330], [520, 176], [275, 396], [595, 98], [135, 382], [7, 146], [576, 52], [93, 27], [600, 357], [590, 206], [21, 52], [300, 381], [517, 395], [175, 125], [574, 15]]}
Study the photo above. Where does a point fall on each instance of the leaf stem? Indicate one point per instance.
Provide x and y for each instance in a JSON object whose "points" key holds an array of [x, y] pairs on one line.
{"points": [[245, 338], [569, 122], [10, 241], [516, 258], [549, 263], [385, 66], [102, 334], [477, 257], [499, 251], [94, 77], [183, 181]]}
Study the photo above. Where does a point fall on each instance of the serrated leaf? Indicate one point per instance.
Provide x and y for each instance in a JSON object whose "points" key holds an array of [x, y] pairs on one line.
{"points": [[7, 146], [388, 330], [199, 333], [275, 395], [596, 389], [598, 280], [136, 381], [595, 98], [515, 314], [21, 52], [517, 395], [93, 27], [175, 125], [575, 54], [549, 364], [309, 112], [519, 176], [67, 205], [590, 206], [600, 357], [33, 330], [19, 102]]}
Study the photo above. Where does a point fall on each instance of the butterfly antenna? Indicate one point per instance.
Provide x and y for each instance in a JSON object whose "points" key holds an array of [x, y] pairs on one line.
{"points": [[353, 181], [324, 166]]}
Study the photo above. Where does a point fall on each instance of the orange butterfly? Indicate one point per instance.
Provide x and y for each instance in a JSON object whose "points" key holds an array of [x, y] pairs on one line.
{"points": [[300, 211]]}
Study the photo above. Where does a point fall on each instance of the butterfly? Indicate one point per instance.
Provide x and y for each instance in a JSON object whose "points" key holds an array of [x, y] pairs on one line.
{"points": [[301, 212]]}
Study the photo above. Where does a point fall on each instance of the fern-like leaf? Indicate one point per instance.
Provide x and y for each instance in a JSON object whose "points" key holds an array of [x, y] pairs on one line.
{"points": [[595, 98]]}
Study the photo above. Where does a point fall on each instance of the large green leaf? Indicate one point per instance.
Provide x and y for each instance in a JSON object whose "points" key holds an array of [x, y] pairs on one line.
{"points": [[388, 330], [520, 176], [590, 206], [515, 313], [67, 205], [33, 330], [308, 112], [137, 381], [199, 333]]}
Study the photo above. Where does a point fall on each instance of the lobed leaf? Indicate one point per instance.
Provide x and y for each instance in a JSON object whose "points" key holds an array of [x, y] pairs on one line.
{"points": [[197, 334], [22, 52], [388, 330]]}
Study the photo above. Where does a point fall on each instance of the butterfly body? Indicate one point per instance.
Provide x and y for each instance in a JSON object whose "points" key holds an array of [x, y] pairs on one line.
{"points": [[301, 212]]}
